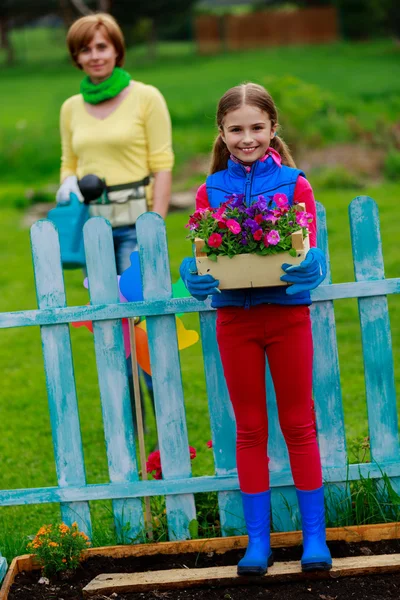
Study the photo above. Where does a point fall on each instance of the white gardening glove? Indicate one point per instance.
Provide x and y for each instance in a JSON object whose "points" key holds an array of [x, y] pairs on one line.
{"points": [[68, 186]]}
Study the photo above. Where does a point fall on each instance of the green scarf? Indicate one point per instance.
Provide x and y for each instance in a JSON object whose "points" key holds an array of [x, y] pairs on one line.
{"points": [[94, 93]]}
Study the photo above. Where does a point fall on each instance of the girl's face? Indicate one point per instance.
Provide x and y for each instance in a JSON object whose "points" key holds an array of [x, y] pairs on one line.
{"points": [[247, 132], [98, 58]]}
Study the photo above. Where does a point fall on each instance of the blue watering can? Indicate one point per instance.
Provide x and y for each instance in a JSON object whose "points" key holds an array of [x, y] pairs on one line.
{"points": [[70, 218]]}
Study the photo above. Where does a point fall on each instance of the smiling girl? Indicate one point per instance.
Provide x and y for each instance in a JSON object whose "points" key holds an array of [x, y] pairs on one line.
{"points": [[250, 160]]}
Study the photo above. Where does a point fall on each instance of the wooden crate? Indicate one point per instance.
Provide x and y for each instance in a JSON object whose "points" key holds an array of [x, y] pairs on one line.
{"points": [[370, 533], [250, 270]]}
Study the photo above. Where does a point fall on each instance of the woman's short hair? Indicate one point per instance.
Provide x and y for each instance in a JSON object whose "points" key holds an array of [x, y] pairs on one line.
{"points": [[83, 30]]}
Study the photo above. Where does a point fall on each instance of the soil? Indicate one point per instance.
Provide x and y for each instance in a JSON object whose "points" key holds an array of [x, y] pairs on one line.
{"points": [[372, 587]]}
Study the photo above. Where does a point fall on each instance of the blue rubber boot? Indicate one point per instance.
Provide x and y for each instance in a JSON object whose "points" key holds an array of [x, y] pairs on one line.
{"points": [[258, 557], [316, 555]]}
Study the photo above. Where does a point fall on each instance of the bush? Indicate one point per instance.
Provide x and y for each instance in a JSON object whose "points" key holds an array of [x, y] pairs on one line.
{"points": [[59, 548], [392, 165], [307, 113], [337, 177]]}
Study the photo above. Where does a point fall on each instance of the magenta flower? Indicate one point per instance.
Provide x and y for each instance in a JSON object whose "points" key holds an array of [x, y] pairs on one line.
{"points": [[281, 200], [303, 219], [209, 444], [265, 240], [215, 240], [271, 217], [257, 235], [273, 237], [234, 226]]}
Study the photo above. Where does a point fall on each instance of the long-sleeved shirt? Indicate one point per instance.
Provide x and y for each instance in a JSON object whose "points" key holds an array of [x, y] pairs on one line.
{"points": [[134, 141]]}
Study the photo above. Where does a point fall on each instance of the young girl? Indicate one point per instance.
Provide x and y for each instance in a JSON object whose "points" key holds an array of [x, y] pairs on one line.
{"points": [[249, 158]]}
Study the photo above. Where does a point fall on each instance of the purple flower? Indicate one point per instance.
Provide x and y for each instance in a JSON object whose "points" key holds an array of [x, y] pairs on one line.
{"points": [[251, 210], [236, 200], [243, 239], [261, 203], [273, 237], [251, 224]]}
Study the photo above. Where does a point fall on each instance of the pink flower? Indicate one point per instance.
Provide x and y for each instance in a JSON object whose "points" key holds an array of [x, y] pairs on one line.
{"points": [[272, 218], [193, 452], [257, 235], [303, 218], [209, 444], [273, 237], [281, 200], [234, 226], [215, 240]]}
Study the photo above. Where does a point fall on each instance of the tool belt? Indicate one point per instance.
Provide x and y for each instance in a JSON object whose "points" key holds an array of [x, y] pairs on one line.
{"points": [[121, 204]]}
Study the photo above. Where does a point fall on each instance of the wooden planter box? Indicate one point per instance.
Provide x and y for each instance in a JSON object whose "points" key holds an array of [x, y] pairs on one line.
{"points": [[370, 533], [250, 270]]}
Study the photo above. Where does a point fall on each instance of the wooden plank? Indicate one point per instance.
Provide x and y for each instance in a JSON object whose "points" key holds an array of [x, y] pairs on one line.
{"points": [[3, 567], [223, 428], [113, 379], [59, 369], [376, 335], [108, 583], [166, 373], [192, 485], [327, 390], [30, 318], [371, 533]]}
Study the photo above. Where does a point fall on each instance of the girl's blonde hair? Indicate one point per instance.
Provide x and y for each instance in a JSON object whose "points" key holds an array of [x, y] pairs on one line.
{"points": [[82, 31], [252, 95]]}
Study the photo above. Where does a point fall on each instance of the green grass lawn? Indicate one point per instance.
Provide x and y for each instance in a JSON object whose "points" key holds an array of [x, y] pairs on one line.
{"points": [[364, 79]]}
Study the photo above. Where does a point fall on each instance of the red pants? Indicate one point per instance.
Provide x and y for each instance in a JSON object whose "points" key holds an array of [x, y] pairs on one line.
{"points": [[283, 333]]}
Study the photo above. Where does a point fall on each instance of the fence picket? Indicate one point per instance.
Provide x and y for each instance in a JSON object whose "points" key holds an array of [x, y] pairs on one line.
{"points": [[326, 384], [223, 430], [113, 379], [58, 364], [375, 335], [166, 372]]}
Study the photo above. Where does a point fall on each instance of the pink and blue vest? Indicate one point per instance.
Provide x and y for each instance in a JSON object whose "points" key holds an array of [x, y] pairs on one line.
{"points": [[264, 178]]}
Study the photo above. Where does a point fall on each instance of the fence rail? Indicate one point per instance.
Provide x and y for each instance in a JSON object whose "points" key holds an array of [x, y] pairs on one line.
{"points": [[125, 488]]}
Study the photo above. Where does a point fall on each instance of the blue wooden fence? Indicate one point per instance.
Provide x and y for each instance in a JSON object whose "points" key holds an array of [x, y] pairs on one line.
{"points": [[125, 488]]}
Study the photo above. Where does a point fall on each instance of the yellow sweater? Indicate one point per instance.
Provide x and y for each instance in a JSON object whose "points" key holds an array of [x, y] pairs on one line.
{"points": [[132, 142]]}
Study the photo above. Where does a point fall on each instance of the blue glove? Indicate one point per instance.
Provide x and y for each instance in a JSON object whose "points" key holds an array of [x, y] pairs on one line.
{"points": [[307, 275], [200, 286]]}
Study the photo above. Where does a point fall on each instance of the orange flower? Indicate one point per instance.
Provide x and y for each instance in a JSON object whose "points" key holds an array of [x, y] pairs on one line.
{"points": [[64, 560], [53, 544]]}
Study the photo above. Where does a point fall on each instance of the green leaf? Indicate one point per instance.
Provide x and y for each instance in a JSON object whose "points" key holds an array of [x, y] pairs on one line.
{"points": [[194, 529], [292, 252], [213, 257]]}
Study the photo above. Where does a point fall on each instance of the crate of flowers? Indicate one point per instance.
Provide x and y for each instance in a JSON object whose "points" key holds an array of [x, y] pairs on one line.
{"points": [[245, 246]]}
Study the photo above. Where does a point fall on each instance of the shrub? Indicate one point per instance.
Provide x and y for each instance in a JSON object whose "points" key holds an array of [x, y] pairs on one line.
{"points": [[392, 165], [59, 548], [337, 177]]}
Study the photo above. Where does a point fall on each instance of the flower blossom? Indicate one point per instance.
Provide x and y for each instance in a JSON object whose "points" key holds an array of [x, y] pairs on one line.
{"points": [[273, 237], [303, 218], [257, 235], [209, 444], [154, 462], [281, 200], [252, 225], [215, 240], [233, 226]]}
